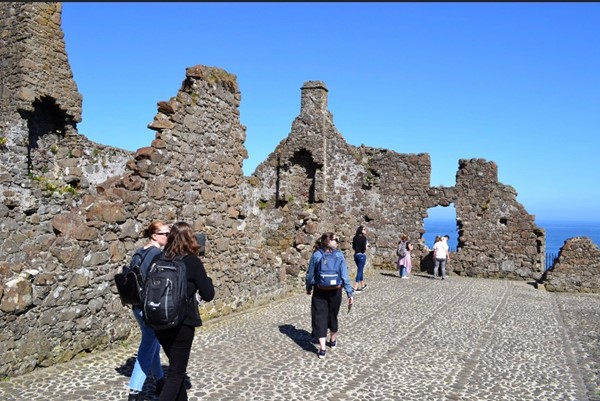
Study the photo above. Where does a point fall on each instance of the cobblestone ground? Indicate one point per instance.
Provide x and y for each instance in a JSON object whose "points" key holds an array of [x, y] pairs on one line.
{"points": [[416, 339]]}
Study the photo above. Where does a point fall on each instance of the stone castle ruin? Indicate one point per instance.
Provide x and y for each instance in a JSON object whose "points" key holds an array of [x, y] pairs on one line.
{"points": [[72, 210]]}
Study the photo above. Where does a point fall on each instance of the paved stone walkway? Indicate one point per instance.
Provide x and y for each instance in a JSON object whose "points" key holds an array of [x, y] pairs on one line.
{"points": [[416, 339]]}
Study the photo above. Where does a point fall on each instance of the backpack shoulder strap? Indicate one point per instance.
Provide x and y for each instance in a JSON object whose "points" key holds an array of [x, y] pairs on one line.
{"points": [[320, 255], [339, 256], [141, 255]]}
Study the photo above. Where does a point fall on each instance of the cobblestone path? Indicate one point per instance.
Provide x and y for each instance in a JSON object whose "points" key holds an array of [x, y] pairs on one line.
{"points": [[417, 339]]}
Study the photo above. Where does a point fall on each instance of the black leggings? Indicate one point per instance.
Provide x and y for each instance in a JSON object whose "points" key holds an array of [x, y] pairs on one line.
{"points": [[325, 307], [177, 344]]}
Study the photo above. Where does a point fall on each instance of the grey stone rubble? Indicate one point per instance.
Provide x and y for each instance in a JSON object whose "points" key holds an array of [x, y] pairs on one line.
{"points": [[417, 339]]}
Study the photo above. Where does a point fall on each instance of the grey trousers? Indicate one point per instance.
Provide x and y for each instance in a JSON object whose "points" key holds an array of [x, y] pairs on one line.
{"points": [[437, 264]]}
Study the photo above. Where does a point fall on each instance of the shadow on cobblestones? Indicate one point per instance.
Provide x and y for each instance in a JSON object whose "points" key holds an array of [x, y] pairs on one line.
{"points": [[126, 368], [300, 336]]}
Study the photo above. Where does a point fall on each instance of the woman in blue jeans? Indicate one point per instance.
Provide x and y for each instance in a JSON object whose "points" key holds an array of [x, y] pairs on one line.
{"points": [[359, 245], [148, 356]]}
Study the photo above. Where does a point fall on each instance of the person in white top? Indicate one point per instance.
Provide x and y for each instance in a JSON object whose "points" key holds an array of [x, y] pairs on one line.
{"points": [[440, 256]]}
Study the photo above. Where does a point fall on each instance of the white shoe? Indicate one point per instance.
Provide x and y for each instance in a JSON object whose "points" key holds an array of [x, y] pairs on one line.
{"points": [[406, 277]]}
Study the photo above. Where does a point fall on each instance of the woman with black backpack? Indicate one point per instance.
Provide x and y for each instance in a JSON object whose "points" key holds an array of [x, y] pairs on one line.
{"points": [[177, 341]]}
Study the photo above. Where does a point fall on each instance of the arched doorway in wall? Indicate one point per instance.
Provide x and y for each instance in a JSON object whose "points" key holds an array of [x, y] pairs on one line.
{"points": [[441, 221]]}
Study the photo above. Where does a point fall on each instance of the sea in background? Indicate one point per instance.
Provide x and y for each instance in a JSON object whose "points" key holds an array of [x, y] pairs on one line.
{"points": [[557, 232]]}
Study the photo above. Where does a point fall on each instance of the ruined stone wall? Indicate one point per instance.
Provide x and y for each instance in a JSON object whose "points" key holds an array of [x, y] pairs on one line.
{"points": [[314, 182], [49, 304], [73, 210], [34, 61], [576, 269], [35, 79], [497, 237], [40, 109]]}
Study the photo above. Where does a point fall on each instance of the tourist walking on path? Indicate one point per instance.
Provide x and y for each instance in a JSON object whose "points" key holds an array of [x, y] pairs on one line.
{"points": [[440, 257], [326, 276], [148, 355], [445, 239], [401, 253], [404, 257], [359, 245], [177, 341]]}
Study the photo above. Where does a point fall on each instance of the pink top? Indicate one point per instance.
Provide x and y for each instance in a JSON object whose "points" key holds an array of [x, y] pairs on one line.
{"points": [[406, 261]]}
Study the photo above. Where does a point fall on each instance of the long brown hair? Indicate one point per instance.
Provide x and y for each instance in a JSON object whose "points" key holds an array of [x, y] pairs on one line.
{"points": [[181, 241]]}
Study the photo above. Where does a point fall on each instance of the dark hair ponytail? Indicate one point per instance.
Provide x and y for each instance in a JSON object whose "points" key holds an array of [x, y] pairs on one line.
{"points": [[359, 231], [323, 242]]}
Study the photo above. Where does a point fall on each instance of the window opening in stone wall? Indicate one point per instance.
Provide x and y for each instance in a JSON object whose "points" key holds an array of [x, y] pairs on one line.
{"points": [[305, 183], [371, 179], [278, 200], [441, 221], [46, 125]]}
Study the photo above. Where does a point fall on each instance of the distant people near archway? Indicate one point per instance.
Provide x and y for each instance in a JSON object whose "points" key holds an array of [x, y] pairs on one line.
{"points": [[441, 221]]}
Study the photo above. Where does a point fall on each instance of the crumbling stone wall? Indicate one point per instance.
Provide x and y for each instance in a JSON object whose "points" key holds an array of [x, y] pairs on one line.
{"points": [[497, 237], [40, 109], [576, 269], [72, 210], [314, 181], [49, 308]]}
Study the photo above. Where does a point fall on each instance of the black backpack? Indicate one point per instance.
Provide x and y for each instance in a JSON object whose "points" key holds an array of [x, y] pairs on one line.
{"points": [[165, 293], [328, 272], [130, 281]]}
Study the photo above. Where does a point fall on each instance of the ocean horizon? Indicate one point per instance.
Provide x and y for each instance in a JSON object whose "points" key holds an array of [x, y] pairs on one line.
{"points": [[557, 232]]}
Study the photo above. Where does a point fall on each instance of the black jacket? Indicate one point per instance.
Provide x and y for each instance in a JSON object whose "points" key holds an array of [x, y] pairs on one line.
{"points": [[359, 244], [198, 281]]}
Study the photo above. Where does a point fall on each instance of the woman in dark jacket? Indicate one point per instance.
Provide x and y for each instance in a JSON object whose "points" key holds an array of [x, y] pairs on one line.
{"points": [[359, 245], [177, 341]]}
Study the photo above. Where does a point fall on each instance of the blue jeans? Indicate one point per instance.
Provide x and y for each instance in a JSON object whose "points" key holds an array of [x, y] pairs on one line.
{"points": [[439, 263], [403, 271], [148, 356], [360, 259]]}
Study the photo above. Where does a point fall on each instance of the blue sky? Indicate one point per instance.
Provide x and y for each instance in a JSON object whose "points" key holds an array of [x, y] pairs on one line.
{"points": [[513, 83]]}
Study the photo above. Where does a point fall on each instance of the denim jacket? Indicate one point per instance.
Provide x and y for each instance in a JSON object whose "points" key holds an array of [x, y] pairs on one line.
{"points": [[310, 273]]}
